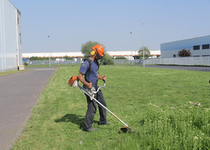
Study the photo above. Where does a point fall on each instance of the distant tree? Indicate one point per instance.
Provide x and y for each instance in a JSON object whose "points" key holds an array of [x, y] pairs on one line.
{"points": [[184, 53], [41, 58], [35, 58], [107, 60], [68, 58], [146, 53], [120, 57], [87, 48]]}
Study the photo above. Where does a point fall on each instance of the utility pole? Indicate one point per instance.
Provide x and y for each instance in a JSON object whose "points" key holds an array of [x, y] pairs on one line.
{"points": [[143, 43], [49, 49], [131, 48]]}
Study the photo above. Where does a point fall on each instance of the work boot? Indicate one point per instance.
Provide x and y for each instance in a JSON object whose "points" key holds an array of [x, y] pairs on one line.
{"points": [[90, 129], [107, 123]]}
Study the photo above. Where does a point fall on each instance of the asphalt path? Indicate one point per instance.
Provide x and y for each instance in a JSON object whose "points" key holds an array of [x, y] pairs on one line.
{"points": [[194, 68], [18, 95]]}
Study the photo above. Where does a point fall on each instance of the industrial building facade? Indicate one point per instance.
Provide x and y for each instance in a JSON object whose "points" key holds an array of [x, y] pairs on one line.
{"points": [[199, 47], [10, 36]]}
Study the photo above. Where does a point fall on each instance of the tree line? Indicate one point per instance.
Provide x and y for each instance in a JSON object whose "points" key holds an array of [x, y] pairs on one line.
{"points": [[106, 60], [47, 58]]}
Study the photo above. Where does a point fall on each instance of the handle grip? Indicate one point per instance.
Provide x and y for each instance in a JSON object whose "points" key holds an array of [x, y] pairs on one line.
{"points": [[99, 88]]}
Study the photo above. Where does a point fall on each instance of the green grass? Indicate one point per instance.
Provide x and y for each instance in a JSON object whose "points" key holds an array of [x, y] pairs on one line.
{"points": [[10, 72], [154, 102]]}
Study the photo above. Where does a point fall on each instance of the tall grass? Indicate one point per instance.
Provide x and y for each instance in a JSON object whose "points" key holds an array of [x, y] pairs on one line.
{"points": [[156, 103]]}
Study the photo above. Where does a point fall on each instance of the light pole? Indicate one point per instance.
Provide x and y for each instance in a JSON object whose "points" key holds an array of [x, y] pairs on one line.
{"points": [[143, 43], [49, 48], [131, 48]]}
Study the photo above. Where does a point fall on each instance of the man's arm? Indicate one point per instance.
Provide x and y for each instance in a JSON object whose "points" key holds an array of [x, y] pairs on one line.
{"points": [[102, 77], [80, 77]]}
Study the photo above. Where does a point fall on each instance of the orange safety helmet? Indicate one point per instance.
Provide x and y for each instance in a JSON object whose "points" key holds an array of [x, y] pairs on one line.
{"points": [[99, 49]]}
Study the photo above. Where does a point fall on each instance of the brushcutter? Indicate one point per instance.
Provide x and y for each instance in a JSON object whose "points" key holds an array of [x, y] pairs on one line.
{"points": [[74, 82]]}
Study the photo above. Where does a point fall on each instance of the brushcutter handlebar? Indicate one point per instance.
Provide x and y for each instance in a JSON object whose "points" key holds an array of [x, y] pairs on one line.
{"points": [[99, 88]]}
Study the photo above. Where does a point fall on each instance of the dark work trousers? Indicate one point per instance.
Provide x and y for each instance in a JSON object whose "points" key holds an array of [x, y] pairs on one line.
{"points": [[91, 111]]}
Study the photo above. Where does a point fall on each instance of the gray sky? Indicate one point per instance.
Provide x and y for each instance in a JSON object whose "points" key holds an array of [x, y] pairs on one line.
{"points": [[71, 23]]}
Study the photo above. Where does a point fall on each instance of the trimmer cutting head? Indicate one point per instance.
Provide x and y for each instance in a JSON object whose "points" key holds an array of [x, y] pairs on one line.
{"points": [[126, 130]]}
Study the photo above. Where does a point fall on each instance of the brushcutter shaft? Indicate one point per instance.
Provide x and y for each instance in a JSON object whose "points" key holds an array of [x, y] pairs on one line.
{"points": [[84, 90], [111, 112]]}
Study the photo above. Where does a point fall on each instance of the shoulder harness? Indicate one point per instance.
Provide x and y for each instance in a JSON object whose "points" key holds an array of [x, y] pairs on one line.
{"points": [[90, 64]]}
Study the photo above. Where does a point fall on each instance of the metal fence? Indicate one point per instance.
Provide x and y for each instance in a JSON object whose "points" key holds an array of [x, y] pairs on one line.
{"points": [[191, 61], [72, 62], [53, 62], [128, 62], [204, 61]]}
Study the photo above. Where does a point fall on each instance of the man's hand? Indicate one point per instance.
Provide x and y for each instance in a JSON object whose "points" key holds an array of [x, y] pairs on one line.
{"points": [[80, 77], [104, 78], [89, 85]]}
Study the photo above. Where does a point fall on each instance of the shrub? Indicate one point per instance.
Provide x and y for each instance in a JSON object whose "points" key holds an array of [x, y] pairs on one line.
{"points": [[184, 53], [25, 63], [120, 57]]}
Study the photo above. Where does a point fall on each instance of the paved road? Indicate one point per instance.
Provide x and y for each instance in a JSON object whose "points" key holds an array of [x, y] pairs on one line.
{"points": [[180, 67], [18, 95]]}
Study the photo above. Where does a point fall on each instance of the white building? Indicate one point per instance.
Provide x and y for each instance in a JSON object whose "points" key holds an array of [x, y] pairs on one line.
{"points": [[78, 55], [199, 47], [10, 36]]}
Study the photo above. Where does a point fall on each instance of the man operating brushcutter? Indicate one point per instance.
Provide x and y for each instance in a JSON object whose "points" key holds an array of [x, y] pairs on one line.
{"points": [[89, 77]]}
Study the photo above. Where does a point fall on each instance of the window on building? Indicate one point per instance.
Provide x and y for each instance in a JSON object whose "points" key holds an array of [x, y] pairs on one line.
{"points": [[17, 20], [205, 46], [196, 47]]}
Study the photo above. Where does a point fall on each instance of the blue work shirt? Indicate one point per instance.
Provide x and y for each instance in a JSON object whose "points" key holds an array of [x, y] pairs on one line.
{"points": [[92, 74]]}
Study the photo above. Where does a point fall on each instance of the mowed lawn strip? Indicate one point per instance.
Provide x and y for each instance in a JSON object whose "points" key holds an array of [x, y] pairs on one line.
{"points": [[4, 73], [159, 104]]}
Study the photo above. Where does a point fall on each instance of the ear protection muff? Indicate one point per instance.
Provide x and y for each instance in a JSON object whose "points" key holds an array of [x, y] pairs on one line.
{"points": [[92, 52]]}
